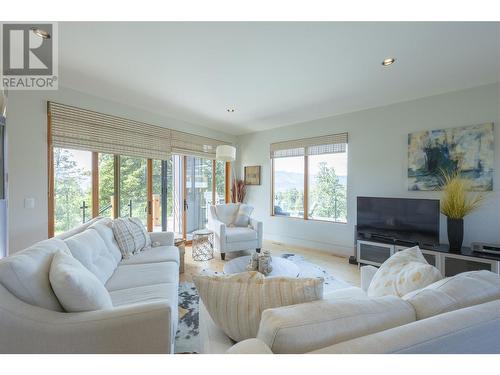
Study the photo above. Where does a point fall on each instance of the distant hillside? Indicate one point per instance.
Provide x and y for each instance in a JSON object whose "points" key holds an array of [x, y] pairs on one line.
{"points": [[289, 180]]}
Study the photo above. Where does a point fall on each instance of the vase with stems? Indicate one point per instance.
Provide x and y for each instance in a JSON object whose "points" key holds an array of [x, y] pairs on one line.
{"points": [[456, 203]]}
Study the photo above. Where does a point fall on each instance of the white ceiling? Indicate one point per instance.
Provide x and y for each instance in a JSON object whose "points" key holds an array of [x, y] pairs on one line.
{"points": [[273, 74]]}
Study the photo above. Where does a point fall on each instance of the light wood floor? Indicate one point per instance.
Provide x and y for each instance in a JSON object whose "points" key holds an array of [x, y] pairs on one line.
{"points": [[335, 265]]}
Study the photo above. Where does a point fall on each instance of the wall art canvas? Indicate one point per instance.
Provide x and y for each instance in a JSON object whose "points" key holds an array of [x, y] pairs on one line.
{"points": [[468, 149], [252, 175]]}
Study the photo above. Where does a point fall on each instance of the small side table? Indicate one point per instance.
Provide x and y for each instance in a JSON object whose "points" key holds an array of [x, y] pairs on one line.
{"points": [[203, 245], [181, 245]]}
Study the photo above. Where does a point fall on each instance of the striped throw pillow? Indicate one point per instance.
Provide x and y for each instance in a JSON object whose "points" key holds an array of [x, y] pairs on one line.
{"points": [[236, 302]]}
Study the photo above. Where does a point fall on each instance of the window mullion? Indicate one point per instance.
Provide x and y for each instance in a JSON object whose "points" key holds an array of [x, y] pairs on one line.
{"points": [[306, 183]]}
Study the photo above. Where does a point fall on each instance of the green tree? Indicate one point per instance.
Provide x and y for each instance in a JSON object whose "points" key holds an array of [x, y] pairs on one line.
{"points": [[70, 191], [106, 183], [220, 179], [329, 195], [291, 201], [133, 187]]}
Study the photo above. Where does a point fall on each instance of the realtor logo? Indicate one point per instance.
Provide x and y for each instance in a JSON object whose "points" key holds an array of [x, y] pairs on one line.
{"points": [[29, 56]]}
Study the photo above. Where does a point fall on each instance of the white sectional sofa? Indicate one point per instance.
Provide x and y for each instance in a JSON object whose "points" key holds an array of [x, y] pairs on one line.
{"points": [[462, 316], [143, 289]]}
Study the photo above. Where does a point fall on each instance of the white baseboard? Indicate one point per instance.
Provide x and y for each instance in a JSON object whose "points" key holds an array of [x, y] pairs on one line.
{"points": [[330, 248]]}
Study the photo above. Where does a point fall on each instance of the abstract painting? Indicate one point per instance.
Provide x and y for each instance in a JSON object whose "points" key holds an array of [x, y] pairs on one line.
{"points": [[468, 149]]}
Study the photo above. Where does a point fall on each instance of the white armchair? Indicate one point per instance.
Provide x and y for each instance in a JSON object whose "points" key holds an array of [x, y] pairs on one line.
{"points": [[229, 238]]}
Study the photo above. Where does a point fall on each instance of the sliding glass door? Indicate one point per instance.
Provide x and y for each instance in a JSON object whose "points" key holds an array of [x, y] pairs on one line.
{"points": [[170, 195], [199, 193]]}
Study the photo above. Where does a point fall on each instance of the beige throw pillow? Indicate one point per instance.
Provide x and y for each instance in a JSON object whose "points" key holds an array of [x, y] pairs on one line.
{"points": [[403, 273], [236, 302]]}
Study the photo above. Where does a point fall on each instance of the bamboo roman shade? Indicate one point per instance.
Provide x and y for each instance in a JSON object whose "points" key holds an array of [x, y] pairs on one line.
{"points": [[326, 144], [77, 128], [194, 145]]}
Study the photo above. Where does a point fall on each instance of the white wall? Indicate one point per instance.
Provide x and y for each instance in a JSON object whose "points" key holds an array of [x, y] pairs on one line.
{"points": [[377, 163], [27, 152]]}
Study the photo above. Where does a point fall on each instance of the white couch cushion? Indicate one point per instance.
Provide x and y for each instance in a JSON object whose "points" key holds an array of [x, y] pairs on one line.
{"points": [[76, 288], [456, 292], [239, 234], [167, 292], [243, 215], [236, 302], [311, 326], [226, 213], [402, 273], [349, 292], [154, 255], [91, 250], [473, 330], [135, 275], [104, 229], [146, 293], [25, 274]]}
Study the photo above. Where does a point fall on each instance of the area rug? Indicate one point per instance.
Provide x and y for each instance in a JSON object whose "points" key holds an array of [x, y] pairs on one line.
{"points": [[187, 339]]}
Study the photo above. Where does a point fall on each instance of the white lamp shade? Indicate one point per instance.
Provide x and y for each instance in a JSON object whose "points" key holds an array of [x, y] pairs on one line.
{"points": [[225, 153]]}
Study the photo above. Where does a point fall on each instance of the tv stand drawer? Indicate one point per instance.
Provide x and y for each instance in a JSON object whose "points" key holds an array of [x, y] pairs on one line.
{"points": [[373, 253]]}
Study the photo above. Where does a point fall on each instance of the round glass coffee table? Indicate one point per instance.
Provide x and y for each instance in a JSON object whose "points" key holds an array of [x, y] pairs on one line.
{"points": [[281, 267]]}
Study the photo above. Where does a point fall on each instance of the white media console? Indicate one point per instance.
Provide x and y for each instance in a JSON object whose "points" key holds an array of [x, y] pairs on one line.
{"points": [[449, 263]]}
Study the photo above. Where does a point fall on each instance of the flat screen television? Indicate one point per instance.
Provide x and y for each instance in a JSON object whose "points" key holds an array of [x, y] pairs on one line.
{"points": [[413, 220]]}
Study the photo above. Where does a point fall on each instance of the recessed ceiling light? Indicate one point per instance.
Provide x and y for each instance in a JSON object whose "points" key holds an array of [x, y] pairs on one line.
{"points": [[41, 33], [230, 110], [388, 61]]}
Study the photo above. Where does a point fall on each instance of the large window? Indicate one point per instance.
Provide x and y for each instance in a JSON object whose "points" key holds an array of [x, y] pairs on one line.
{"points": [[199, 192], [220, 182], [166, 178], [72, 188], [173, 194], [106, 173], [289, 186], [327, 187], [133, 188], [310, 178]]}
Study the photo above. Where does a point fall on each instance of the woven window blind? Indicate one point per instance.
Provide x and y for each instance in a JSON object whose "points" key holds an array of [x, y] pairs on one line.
{"points": [[82, 129], [194, 145], [327, 144]]}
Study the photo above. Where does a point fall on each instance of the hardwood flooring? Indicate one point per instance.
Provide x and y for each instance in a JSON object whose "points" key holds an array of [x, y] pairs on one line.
{"points": [[335, 265]]}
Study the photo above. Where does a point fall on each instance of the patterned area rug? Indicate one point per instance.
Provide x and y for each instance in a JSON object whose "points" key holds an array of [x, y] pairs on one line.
{"points": [[187, 338]]}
